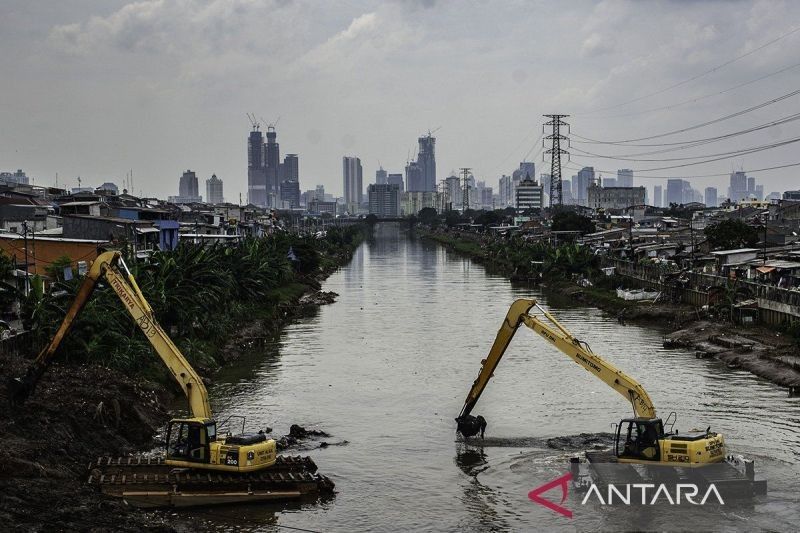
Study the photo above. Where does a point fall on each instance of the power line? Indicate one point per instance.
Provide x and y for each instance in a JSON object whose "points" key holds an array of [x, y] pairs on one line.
{"points": [[698, 176], [696, 126], [681, 145], [698, 98], [696, 77], [734, 153]]}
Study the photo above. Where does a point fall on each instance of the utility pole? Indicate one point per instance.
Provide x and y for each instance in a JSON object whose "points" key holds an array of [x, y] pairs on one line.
{"points": [[465, 189], [25, 233], [555, 151]]}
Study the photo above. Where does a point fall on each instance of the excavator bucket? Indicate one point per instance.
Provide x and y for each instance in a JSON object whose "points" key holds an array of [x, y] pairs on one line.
{"points": [[469, 425]]}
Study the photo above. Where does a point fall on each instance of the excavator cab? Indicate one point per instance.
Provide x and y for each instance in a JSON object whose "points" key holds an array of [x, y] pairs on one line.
{"points": [[189, 439], [637, 439]]}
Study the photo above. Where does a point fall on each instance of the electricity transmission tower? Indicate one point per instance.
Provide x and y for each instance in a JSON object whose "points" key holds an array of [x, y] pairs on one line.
{"points": [[555, 151], [465, 189]]}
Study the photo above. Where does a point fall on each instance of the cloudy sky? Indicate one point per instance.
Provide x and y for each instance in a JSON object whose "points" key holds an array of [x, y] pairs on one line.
{"points": [[93, 88]]}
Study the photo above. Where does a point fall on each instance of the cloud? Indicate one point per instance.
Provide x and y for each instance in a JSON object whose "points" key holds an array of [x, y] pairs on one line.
{"points": [[596, 44]]}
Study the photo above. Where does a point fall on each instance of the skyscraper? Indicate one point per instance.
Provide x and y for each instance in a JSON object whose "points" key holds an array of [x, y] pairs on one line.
{"points": [[256, 171], [674, 192], [381, 176], [527, 168], [272, 159], [506, 191], [580, 185], [352, 176], [738, 186], [396, 179], [624, 177], [453, 192], [187, 186], [214, 190], [414, 177], [290, 168], [711, 197], [290, 193], [426, 159], [657, 195]]}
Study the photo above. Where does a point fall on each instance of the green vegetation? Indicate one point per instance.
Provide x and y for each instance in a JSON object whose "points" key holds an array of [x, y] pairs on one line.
{"points": [[200, 296], [731, 234], [571, 221]]}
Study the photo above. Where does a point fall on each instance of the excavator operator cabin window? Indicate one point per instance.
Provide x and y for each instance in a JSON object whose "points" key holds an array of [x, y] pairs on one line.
{"points": [[179, 440]]}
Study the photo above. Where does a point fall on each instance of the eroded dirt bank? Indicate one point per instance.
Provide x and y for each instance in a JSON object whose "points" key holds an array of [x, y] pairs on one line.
{"points": [[76, 414]]}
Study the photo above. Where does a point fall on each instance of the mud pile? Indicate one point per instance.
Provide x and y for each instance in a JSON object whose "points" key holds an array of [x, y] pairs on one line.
{"points": [[75, 414]]}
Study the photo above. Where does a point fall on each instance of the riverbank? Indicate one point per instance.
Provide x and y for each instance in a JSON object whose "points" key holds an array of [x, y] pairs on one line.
{"points": [[82, 410], [765, 352]]}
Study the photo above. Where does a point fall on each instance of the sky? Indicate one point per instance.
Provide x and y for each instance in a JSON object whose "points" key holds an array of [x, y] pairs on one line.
{"points": [[95, 88]]}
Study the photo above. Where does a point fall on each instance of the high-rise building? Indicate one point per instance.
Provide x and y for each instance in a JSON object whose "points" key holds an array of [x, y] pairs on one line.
{"points": [[528, 195], [759, 192], [396, 179], [527, 168], [426, 159], [544, 180], [611, 182], [566, 192], [414, 178], [187, 186], [675, 192], [384, 199], [353, 186], [580, 185], [214, 190], [290, 193], [711, 197], [256, 169], [751, 186], [290, 169], [624, 177], [738, 186], [381, 176], [453, 192], [272, 159], [505, 187], [657, 196], [619, 198]]}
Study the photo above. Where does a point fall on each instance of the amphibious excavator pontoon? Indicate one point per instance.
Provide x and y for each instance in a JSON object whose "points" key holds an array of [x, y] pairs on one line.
{"points": [[639, 440], [201, 465]]}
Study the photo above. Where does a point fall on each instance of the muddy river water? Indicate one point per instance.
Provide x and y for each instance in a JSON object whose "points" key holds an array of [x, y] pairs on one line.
{"points": [[387, 367]]}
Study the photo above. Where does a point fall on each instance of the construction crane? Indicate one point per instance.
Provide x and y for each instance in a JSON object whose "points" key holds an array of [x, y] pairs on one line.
{"points": [[253, 121], [191, 442], [640, 439]]}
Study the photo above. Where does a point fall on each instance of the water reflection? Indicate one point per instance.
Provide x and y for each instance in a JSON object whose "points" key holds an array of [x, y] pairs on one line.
{"points": [[387, 368]]}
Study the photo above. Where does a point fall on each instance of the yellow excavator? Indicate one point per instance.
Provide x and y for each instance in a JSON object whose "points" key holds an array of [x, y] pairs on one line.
{"points": [[640, 439], [191, 442]]}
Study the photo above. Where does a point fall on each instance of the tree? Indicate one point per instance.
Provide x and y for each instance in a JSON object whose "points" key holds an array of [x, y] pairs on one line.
{"points": [[428, 216], [452, 218], [571, 221], [488, 218], [371, 219], [730, 234]]}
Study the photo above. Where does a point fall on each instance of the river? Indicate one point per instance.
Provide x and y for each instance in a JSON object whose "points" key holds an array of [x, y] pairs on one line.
{"points": [[386, 368]]}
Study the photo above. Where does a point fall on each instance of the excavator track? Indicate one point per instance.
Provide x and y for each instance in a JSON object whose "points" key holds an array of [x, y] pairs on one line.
{"points": [[149, 482]]}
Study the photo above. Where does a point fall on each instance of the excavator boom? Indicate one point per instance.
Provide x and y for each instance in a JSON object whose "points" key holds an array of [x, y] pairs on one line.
{"points": [[551, 330], [124, 285]]}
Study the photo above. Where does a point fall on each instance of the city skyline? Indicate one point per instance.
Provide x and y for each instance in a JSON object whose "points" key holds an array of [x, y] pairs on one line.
{"points": [[180, 112]]}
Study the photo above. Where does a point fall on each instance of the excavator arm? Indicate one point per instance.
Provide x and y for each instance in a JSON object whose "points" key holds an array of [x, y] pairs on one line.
{"points": [[124, 285], [552, 331]]}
